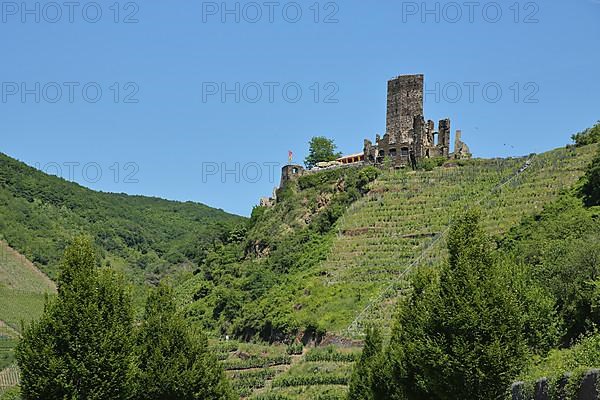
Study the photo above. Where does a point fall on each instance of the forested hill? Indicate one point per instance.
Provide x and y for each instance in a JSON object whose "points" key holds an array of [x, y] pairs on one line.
{"points": [[146, 237]]}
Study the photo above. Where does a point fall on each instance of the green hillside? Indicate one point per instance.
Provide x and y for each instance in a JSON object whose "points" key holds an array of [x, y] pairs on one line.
{"points": [[333, 255], [40, 214], [402, 224], [23, 289], [146, 237], [399, 225], [291, 274]]}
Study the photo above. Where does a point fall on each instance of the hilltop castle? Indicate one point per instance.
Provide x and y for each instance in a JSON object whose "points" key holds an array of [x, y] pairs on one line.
{"points": [[408, 138]]}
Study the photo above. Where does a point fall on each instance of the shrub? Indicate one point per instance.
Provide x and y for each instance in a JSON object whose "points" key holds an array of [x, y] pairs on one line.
{"points": [[591, 186], [295, 348], [588, 136], [429, 164]]}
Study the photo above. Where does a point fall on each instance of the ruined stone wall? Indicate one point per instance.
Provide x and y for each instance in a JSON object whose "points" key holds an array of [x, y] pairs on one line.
{"points": [[290, 172], [461, 150], [444, 137], [404, 103]]}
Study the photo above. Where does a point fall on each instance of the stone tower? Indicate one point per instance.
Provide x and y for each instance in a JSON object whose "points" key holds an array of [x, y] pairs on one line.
{"points": [[404, 103], [444, 137]]}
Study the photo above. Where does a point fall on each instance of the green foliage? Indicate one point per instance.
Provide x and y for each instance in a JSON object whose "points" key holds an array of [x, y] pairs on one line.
{"points": [[330, 353], [588, 136], [11, 394], [469, 341], [563, 368], [246, 287], [80, 347], [461, 333], [428, 164], [7, 357], [253, 379], [561, 247], [362, 384], [387, 163], [295, 348], [584, 354], [591, 186], [40, 214], [309, 380], [257, 362], [401, 218], [320, 149], [170, 361], [83, 347]]}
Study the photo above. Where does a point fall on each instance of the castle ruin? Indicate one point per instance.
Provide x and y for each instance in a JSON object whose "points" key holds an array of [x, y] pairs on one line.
{"points": [[408, 137]]}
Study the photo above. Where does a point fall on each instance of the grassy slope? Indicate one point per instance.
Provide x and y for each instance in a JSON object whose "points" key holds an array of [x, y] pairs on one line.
{"points": [[23, 289], [387, 232], [384, 233], [400, 223], [39, 214]]}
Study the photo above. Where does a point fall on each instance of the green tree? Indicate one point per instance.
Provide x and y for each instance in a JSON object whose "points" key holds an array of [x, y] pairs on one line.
{"points": [[80, 348], [171, 362], [591, 187], [320, 149], [362, 382], [459, 336], [588, 136]]}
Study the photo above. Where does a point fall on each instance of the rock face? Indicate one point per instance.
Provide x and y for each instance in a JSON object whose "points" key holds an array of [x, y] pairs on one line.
{"points": [[461, 150], [409, 138]]}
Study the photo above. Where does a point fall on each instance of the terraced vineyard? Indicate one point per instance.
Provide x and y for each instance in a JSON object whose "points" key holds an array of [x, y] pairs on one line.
{"points": [[402, 224], [23, 289], [262, 372]]}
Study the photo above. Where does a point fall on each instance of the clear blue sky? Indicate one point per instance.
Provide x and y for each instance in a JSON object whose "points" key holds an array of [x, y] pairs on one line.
{"points": [[177, 50]]}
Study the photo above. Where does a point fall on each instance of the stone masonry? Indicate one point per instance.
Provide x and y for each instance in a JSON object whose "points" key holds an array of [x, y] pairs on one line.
{"points": [[408, 137]]}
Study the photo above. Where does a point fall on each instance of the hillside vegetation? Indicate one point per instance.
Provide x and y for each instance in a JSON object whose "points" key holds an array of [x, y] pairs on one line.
{"points": [[520, 305], [329, 257], [23, 290], [473, 273], [147, 238], [40, 214]]}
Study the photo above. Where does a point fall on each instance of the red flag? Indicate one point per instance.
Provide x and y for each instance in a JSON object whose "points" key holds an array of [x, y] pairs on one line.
{"points": [[290, 155]]}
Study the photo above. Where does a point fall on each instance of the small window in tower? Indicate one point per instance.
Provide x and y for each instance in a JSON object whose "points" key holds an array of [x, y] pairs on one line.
{"points": [[294, 170], [404, 152], [381, 153], [392, 152]]}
